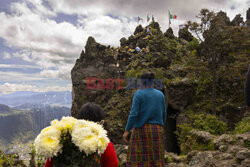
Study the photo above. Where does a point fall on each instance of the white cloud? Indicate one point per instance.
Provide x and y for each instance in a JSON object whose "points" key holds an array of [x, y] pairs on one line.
{"points": [[20, 77], [6, 55], [53, 45], [185, 10], [17, 66], [62, 72], [7, 88]]}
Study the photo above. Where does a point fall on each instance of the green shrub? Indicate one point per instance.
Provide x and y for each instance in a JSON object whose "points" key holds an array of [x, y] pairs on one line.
{"points": [[243, 126], [192, 45], [10, 160], [208, 123], [189, 142], [202, 122]]}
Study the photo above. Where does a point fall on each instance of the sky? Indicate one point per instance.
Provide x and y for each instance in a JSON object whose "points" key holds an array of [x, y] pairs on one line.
{"points": [[40, 40]]}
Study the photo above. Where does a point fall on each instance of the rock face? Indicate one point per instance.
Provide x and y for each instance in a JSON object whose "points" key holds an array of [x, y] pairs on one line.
{"points": [[97, 61]]}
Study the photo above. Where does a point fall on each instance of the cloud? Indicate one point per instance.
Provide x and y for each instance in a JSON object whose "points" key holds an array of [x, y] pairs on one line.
{"points": [[185, 10], [62, 72], [54, 46], [20, 77], [6, 55], [17, 66], [7, 88]]}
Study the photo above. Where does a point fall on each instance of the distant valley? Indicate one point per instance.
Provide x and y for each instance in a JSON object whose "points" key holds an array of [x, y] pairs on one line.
{"points": [[24, 114], [39, 98]]}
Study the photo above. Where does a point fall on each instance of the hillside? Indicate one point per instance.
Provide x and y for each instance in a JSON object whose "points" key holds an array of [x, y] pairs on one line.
{"points": [[21, 124], [203, 90]]}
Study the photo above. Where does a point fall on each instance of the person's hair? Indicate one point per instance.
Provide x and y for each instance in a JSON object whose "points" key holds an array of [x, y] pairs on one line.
{"points": [[91, 112], [147, 79]]}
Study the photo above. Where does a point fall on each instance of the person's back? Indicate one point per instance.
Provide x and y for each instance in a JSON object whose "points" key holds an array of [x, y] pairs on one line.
{"points": [[146, 120], [152, 107]]}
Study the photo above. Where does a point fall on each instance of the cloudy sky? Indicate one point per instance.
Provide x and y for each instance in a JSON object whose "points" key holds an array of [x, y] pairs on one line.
{"points": [[40, 40]]}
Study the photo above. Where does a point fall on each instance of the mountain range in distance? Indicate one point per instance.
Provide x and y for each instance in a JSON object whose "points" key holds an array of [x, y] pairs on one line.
{"points": [[40, 99]]}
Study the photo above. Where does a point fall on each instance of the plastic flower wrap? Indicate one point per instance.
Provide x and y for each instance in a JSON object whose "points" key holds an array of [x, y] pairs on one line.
{"points": [[71, 140]]}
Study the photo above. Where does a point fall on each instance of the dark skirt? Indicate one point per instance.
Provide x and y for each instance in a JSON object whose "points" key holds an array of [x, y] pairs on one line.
{"points": [[146, 147]]}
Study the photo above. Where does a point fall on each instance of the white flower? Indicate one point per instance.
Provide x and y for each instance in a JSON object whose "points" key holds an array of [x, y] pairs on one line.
{"points": [[47, 143], [89, 137]]}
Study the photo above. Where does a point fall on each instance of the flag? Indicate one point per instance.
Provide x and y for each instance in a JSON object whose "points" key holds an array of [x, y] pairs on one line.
{"points": [[148, 18], [139, 19], [172, 16], [153, 19]]}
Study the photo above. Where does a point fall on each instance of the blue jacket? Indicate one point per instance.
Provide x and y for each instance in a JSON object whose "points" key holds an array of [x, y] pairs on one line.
{"points": [[148, 106]]}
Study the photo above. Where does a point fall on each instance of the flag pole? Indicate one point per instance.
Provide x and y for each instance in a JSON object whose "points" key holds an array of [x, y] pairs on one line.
{"points": [[169, 19]]}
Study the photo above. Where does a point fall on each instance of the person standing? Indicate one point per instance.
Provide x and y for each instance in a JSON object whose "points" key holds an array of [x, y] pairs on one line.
{"points": [[247, 90], [146, 120]]}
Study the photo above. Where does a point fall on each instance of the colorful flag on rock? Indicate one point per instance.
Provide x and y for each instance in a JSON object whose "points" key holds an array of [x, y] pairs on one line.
{"points": [[148, 18], [139, 19]]}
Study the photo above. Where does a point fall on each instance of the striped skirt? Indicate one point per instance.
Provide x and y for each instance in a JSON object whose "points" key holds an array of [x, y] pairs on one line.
{"points": [[146, 147]]}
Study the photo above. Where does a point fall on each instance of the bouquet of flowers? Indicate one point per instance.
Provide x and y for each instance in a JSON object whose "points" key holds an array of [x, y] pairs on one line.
{"points": [[72, 142]]}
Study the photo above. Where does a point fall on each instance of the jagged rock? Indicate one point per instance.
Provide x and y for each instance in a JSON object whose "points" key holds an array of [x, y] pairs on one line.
{"points": [[225, 156], [97, 62], [169, 33], [191, 154], [223, 148], [203, 159], [245, 163], [234, 149], [222, 140], [224, 16], [123, 42], [185, 34], [243, 154], [205, 137], [176, 165], [237, 20], [155, 25], [248, 18], [138, 29]]}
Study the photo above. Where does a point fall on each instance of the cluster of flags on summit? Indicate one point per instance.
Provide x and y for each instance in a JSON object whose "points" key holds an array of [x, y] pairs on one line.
{"points": [[171, 16]]}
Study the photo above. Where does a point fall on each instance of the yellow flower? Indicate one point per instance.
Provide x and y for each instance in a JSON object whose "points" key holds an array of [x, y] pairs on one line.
{"points": [[47, 143], [89, 137]]}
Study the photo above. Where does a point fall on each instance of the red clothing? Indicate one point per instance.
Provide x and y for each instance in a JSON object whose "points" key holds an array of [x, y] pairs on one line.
{"points": [[108, 158]]}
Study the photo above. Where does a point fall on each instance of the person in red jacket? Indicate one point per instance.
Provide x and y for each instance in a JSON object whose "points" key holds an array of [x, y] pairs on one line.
{"points": [[95, 113]]}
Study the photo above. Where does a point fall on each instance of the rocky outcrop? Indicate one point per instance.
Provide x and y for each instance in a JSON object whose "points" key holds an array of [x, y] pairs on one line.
{"points": [[97, 61], [237, 152], [185, 80], [248, 18]]}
